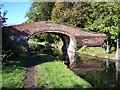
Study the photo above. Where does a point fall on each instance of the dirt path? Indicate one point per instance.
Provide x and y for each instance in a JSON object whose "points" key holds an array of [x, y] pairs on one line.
{"points": [[30, 74]]}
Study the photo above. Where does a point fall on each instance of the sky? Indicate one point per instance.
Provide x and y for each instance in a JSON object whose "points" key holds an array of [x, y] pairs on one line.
{"points": [[16, 12]]}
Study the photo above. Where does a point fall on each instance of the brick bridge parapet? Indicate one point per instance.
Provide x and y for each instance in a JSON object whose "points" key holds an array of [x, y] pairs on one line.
{"points": [[71, 36]]}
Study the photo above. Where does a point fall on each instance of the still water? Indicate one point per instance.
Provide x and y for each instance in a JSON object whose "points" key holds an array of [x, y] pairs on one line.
{"points": [[99, 73]]}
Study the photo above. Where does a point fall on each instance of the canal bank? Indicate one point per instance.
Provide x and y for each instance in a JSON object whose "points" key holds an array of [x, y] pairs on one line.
{"points": [[101, 57]]}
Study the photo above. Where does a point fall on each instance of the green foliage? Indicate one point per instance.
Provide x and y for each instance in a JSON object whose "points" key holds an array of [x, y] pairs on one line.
{"points": [[32, 45], [2, 16], [104, 18], [14, 71], [51, 73], [50, 38], [46, 43], [40, 11], [84, 48], [95, 16], [70, 13], [59, 9], [13, 64], [83, 58]]}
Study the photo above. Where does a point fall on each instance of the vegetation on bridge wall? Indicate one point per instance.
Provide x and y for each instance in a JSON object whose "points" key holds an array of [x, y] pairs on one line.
{"points": [[95, 16]]}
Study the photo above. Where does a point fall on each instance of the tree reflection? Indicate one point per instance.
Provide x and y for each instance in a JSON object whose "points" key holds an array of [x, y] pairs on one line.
{"points": [[118, 71], [107, 76]]}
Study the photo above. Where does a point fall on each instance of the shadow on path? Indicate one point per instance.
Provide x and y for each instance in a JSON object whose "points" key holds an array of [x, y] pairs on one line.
{"points": [[30, 73]]}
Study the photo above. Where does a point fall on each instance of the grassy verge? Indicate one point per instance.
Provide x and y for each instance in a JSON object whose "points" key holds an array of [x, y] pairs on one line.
{"points": [[52, 73], [13, 70], [94, 50]]}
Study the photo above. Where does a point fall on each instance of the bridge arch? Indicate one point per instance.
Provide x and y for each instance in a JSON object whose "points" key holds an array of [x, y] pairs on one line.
{"points": [[68, 44], [71, 36]]}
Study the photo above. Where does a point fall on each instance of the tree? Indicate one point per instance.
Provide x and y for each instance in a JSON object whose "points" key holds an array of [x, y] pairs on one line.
{"points": [[94, 16], [104, 18], [71, 13], [2, 16], [101, 17], [57, 14], [2, 21], [40, 11]]}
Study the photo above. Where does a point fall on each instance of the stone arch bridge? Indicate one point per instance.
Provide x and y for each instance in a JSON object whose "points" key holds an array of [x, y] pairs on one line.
{"points": [[71, 36]]}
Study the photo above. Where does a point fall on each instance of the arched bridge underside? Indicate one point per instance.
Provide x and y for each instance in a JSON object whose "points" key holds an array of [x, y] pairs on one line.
{"points": [[69, 35], [21, 34], [68, 44]]}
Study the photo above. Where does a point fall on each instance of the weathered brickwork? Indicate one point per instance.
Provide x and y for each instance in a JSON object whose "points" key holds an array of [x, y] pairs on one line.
{"points": [[90, 40], [70, 36], [80, 36]]}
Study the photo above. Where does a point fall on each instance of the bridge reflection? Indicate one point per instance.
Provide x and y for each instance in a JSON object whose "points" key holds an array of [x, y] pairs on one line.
{"points": [[98, 72]]}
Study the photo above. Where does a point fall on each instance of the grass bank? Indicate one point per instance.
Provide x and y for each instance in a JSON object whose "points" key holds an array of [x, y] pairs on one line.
{"points": [[52, 73], [94, 50], [14, 70]]}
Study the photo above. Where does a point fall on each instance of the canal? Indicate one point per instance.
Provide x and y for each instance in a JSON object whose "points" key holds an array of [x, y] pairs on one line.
{"points": [[100, 73]]}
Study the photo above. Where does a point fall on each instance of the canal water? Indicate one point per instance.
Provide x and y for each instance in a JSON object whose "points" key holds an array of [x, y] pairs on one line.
{"points": [[99, 73]]}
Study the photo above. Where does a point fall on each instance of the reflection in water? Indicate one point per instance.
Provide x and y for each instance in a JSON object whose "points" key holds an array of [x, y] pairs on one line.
{"points": [[99, 73], [106, 64], [118, 71]]}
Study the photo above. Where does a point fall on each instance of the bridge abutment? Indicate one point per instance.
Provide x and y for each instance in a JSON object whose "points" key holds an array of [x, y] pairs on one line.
{"points": [[68, 50], [65, 56], [71, 51]]}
